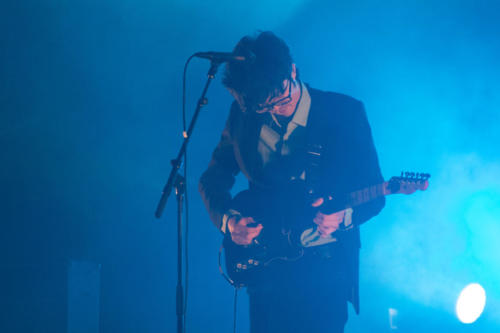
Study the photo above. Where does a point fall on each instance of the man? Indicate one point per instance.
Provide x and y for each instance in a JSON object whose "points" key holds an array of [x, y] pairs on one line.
{"points": [[271, 123]]}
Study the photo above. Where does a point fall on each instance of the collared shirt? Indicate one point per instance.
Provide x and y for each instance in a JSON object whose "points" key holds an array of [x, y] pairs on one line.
{"points": [[271, 142]]}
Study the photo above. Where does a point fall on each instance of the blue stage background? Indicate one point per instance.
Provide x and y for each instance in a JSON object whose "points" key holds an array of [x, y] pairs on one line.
{"points": [[90, 98]]}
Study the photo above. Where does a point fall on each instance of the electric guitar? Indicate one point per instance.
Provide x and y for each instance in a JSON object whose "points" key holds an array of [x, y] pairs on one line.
{"points": [[287, 220]]}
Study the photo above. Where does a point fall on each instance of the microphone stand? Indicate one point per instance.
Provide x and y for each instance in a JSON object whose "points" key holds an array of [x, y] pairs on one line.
{"points": [[178, 181], [180, 188]]}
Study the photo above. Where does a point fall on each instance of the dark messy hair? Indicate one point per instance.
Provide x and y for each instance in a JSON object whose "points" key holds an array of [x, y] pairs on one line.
{"points": [[268, 63]]}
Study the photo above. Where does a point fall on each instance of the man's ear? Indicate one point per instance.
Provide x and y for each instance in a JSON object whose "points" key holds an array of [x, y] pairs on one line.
{"points": [[294, 72]]}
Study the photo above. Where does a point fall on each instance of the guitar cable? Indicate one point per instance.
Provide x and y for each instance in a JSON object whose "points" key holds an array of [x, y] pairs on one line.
{"points": [[221, 270], [236, 288], [235, 308]]}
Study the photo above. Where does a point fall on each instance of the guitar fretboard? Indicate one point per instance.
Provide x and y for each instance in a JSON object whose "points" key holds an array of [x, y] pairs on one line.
{"points": [[367, 194]]}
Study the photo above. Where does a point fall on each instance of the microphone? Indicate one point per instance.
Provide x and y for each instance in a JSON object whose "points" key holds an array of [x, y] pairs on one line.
{"points": [[219, 56]]}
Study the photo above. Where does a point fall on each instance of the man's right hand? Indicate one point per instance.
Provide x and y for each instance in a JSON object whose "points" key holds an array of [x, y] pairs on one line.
{"points": [[241, 233]]}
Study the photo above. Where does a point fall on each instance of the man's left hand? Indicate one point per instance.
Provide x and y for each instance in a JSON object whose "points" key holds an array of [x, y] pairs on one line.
{"points": [[327, 223]]}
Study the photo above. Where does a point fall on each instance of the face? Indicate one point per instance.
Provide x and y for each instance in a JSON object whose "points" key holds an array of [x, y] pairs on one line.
{"points": [[283, 104]]}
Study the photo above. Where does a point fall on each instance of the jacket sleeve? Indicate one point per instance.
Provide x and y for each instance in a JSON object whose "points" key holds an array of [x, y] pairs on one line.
{"points": [[216, 182], [364, 163]]}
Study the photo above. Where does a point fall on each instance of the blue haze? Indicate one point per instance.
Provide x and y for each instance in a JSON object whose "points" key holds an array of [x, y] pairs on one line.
{"points": [[90, 116]]}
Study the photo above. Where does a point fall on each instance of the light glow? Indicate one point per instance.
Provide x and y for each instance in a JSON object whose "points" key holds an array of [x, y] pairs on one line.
{"points": [[470, 303]]}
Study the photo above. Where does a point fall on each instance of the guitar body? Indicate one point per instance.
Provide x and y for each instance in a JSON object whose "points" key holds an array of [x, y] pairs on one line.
{"points": [[284, 216]]}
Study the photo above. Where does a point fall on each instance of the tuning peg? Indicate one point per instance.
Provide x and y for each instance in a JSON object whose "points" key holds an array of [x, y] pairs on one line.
{"points": [[423, 177]]}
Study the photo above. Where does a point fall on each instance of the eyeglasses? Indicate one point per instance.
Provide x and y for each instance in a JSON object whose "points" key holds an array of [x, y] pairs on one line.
{"points": [[263, 108]]}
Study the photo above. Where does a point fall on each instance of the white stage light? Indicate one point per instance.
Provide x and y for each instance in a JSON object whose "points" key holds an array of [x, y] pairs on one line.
{"points": [[470, 303]]}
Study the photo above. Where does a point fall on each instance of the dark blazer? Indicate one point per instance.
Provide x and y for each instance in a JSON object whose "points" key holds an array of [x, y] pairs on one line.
{"points": [[349, 162]]}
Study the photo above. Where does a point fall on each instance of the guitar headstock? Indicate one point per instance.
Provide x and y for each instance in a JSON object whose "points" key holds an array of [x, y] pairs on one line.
{"points": [[408, 182]]}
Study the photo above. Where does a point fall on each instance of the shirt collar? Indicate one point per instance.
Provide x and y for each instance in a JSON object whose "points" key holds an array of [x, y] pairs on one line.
{"points": [[302, 112]]}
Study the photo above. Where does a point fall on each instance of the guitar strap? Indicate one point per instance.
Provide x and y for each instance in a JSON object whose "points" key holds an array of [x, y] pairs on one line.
{"points": [[315, 141]]}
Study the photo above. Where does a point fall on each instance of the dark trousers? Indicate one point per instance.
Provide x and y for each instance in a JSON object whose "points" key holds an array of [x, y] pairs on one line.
{"points": [[309, 295]]}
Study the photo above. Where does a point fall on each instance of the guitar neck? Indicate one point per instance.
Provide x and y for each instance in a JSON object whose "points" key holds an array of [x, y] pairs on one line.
{"points": [[396, 185], [407, 183]]}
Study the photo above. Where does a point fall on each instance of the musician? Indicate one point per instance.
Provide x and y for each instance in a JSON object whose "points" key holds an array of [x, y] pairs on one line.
{"points": [[273, 119]]}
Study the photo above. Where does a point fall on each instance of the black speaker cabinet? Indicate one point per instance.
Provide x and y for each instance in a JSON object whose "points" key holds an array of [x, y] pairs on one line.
{"points": [[50, 298]]}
